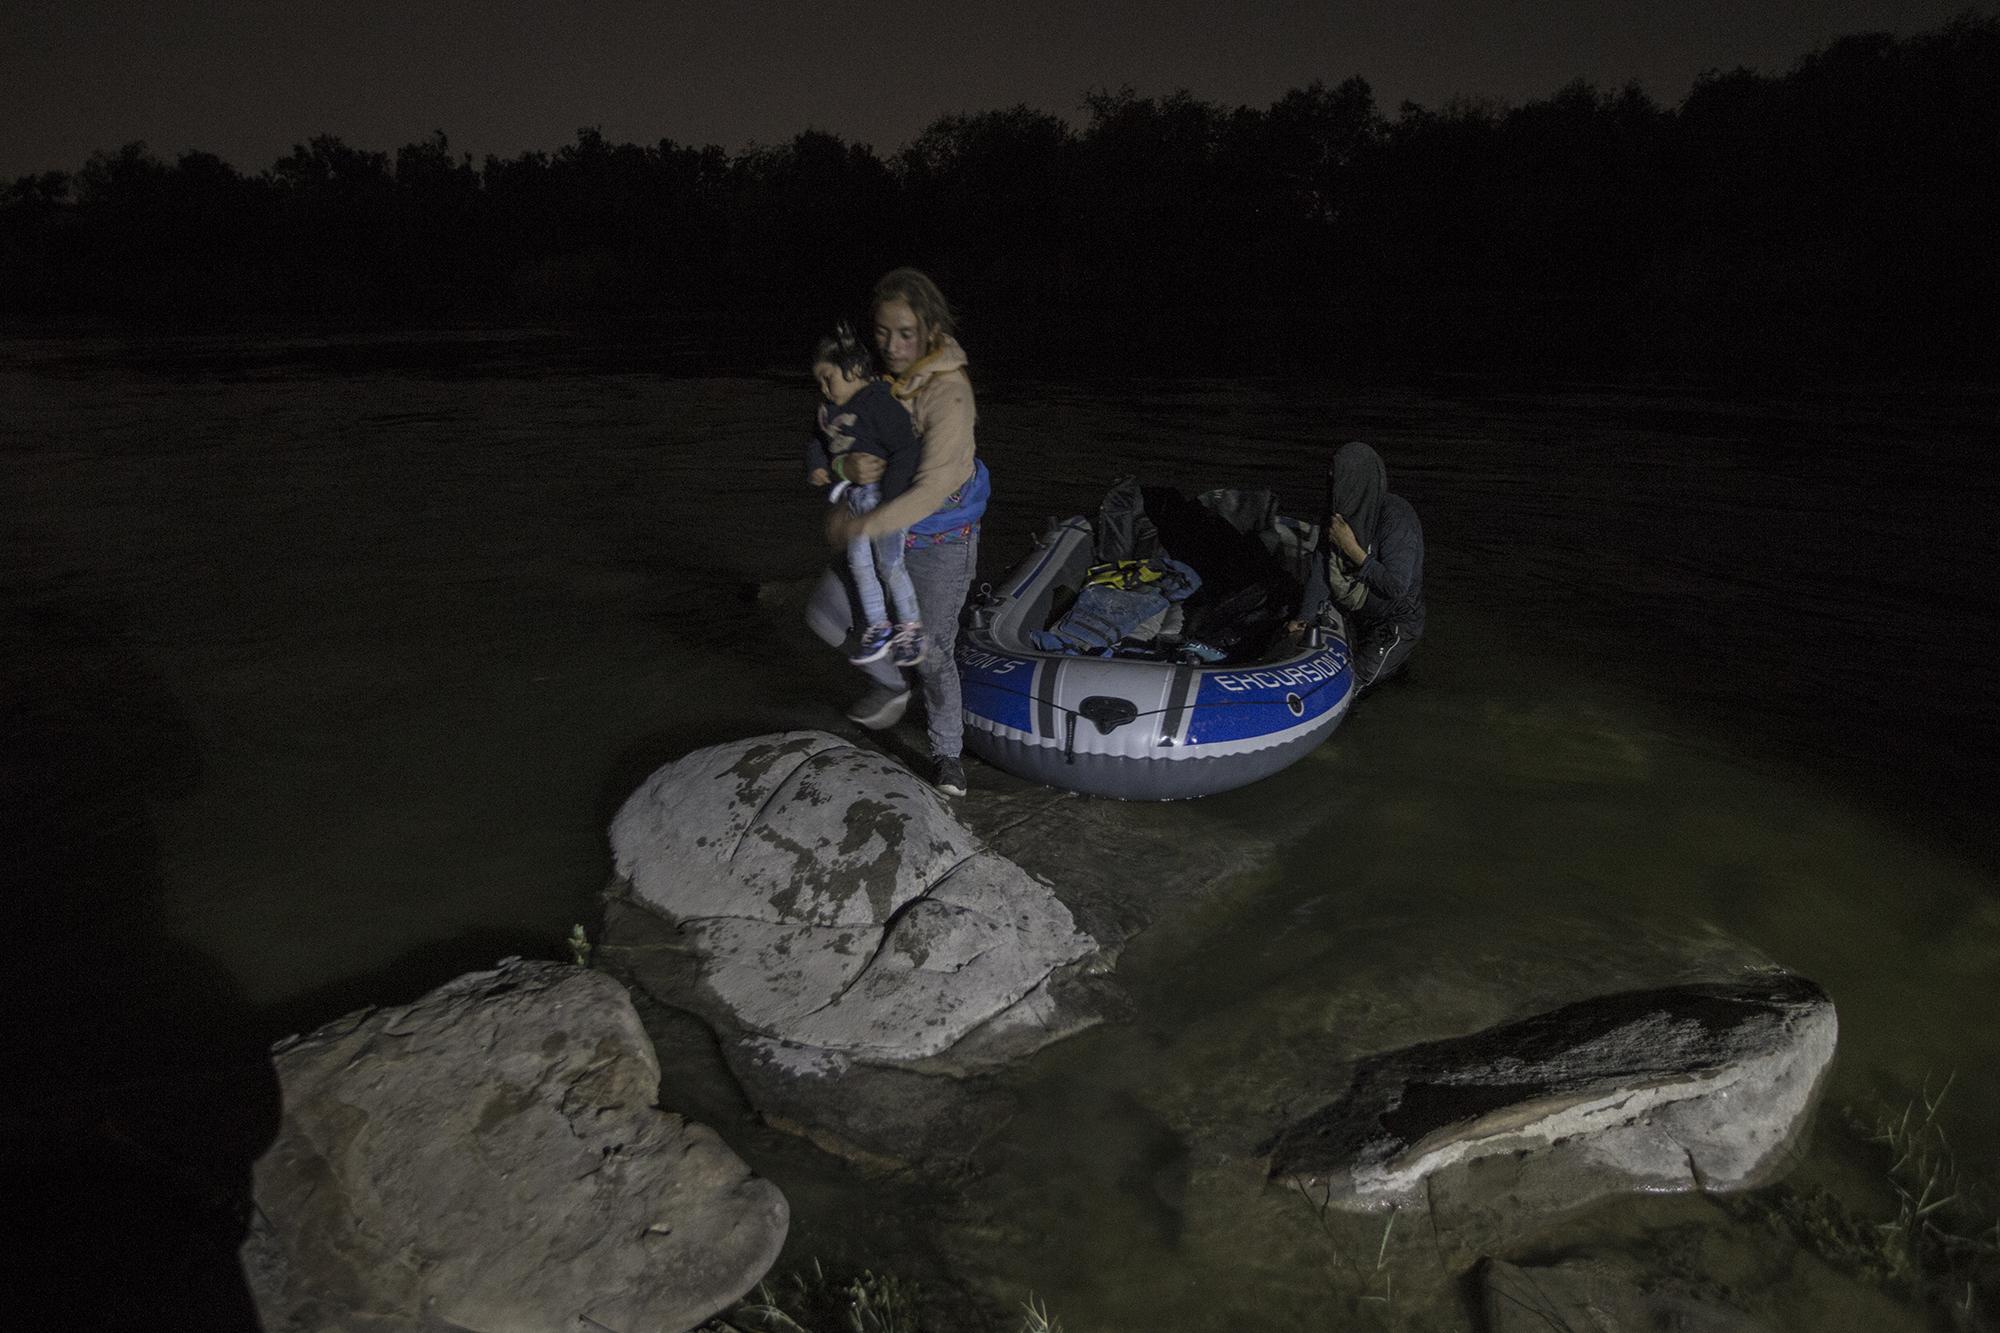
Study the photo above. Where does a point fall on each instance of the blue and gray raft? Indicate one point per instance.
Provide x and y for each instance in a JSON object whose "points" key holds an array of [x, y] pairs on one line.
{"points": [[1152, 726]]}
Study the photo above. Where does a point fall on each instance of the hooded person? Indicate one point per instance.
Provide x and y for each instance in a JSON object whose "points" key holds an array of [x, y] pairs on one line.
{"points": [[1373, 566]]}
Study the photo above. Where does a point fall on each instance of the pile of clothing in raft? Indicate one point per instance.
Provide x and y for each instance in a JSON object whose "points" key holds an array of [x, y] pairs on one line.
{"points": [[1208, 579]]}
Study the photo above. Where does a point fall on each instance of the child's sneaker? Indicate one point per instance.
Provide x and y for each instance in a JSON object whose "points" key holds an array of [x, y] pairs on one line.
{"points": [[835, 491], [876, 641], [908, 644]]}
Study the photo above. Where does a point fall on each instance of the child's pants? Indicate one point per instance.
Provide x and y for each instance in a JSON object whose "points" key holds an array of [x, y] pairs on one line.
{"points": [[943, 576], [881, 556]]}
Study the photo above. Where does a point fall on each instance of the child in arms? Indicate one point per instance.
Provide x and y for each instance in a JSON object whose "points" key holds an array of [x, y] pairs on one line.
{"points": [[858, 414]]}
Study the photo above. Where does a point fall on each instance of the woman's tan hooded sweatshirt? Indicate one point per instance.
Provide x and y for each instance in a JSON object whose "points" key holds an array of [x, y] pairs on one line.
{"points": [[938, 394]]}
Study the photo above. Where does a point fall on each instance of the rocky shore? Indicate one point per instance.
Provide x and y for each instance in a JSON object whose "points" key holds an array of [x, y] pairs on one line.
{"points": [[872, 966]]}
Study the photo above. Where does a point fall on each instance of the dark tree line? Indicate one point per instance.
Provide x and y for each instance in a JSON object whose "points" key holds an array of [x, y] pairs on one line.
{"points": [[1841, 214]]}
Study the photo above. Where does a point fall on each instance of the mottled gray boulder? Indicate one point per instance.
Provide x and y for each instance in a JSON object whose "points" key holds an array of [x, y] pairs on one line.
{"points": [[836, 910], [490, 1158], [1684, 1087]]}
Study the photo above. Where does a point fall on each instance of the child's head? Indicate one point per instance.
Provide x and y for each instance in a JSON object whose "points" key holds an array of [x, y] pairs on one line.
{"points": [[841, 363]]}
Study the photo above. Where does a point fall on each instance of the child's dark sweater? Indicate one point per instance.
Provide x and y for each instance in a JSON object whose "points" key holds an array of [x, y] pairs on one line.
{"points": [[871, 422]]}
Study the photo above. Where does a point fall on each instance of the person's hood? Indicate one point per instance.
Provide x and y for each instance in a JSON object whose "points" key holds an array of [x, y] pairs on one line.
{"points": [[1359, 483], [947, 358]]}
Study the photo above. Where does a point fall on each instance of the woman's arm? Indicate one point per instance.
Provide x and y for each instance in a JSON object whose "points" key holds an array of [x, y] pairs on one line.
{"points": [[891, 434], [944, 420], [862, 469]]}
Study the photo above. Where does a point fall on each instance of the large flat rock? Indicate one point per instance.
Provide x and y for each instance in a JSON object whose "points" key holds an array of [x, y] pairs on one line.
{"points": [[834, 908], [1681, 1087], [491, 1158]]}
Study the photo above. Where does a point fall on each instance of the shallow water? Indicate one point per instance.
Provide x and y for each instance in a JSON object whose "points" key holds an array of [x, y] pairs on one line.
{"points": [[357, 649]]}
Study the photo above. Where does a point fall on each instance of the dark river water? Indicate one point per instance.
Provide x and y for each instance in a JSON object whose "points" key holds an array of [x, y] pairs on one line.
{"points": [[326, 665]]}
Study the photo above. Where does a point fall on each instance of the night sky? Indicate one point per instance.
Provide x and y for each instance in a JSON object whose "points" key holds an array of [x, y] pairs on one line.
{"points": [[247, 79]]}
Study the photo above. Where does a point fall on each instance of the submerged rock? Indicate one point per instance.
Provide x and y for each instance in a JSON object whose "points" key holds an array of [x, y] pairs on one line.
{"points": [[1683, 1087], [836, 904], [1602, 1297], [850, 939], [857, 949], [490, 1157]]}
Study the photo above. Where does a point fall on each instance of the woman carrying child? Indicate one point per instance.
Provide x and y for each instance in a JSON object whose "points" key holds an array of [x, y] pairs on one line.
{"points": [[939, 513]]}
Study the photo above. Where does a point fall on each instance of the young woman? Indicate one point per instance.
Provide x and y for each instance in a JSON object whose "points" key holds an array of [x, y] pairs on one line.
{"points": [[941, 509]]}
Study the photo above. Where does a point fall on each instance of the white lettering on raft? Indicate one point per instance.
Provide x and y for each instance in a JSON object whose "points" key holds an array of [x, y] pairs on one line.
{"points": [[1306, 673], [991, 663]]}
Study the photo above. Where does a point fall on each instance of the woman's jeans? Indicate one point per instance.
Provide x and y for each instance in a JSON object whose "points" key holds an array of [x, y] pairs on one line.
{"points": [[942, 576], [883, 555]]}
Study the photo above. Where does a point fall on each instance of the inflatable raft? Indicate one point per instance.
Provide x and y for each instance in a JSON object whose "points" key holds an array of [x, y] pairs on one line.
{"points": [[1152, 728]]}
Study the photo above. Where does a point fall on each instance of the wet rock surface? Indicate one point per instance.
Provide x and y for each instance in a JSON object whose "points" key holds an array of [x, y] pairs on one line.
{"points": [[491, 1158], [863, 957], [871, 957], [1602, 1297], [1121, 865], [836, 906], [1695, 1087], [877, 1112]]}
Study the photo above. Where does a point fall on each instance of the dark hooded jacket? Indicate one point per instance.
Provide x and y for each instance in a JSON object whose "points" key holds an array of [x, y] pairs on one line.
{"points": [[1388, 530]]}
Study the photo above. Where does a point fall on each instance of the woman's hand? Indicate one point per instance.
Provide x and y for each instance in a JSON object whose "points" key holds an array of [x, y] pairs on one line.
{"points": [[863, 469], [1343, 538], [819, 476], [842, 527]]}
